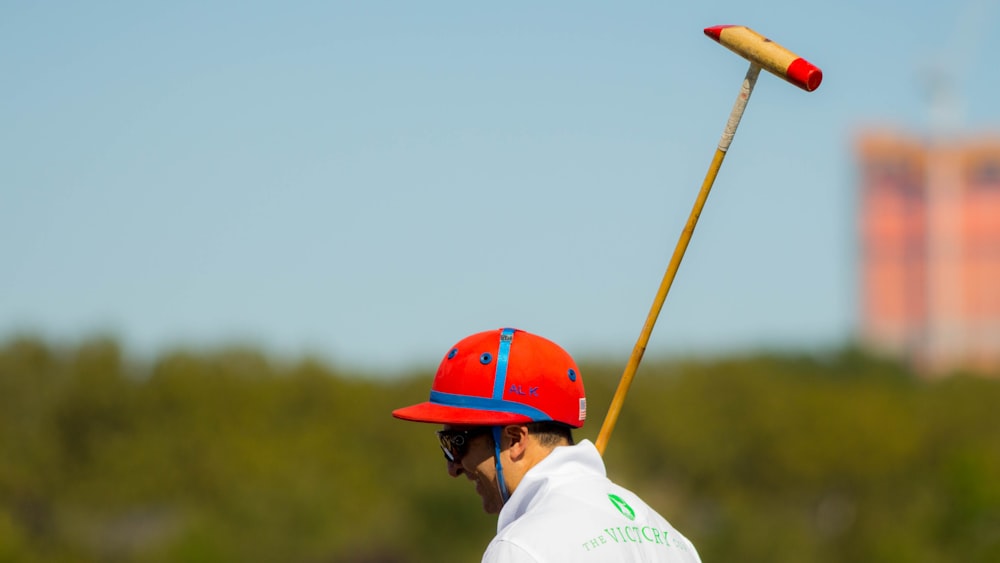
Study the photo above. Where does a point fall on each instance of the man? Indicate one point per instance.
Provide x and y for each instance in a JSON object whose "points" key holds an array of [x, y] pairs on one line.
{"points": [[508, 401]]}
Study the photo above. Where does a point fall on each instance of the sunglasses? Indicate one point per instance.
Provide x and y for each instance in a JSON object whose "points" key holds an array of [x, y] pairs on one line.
{"points": [[455, 443]]}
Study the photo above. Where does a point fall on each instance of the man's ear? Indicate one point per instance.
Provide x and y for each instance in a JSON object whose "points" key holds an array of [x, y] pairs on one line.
{"points": [[517, 436]]}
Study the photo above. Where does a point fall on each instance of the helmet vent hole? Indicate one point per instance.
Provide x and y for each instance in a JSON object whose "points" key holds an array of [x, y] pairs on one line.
{"points": [[572, 374], [452, 352], [486, 358]]}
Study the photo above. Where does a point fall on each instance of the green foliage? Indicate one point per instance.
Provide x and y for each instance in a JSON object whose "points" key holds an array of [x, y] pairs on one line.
{"points": [[230, 455]]}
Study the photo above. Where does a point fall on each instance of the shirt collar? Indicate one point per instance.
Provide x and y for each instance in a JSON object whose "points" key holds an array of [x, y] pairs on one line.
{"points": [[564, 461]]}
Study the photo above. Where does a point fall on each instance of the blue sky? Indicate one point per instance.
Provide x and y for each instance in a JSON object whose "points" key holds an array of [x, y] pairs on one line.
{"points": [[371, 181]]}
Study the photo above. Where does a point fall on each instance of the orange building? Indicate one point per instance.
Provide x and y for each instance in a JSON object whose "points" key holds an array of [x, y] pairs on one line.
{"points": [[929, 229]]}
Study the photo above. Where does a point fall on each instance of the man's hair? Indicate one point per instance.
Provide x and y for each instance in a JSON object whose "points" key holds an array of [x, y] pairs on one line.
{"points": [[550, 434]]}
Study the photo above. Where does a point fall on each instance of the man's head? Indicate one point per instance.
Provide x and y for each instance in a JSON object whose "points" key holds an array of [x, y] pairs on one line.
{"points": [[506, 398]]}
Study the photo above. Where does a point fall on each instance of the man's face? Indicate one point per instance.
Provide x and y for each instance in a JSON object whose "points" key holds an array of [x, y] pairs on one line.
{"points": [[478, 465]]}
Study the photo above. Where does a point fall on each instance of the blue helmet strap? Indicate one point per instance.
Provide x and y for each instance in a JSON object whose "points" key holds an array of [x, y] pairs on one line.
{"points": [[499, 384], [501, 482]]}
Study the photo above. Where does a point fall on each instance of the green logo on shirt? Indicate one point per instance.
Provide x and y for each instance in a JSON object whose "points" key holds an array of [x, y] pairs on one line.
{"points": [[622, 506]]}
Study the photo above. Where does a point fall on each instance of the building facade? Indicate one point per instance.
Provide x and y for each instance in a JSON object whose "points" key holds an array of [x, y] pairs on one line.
{"points": [[929, 245]]}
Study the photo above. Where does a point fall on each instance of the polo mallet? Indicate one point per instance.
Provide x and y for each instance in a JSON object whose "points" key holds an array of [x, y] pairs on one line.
{"points": [[762, 53]]}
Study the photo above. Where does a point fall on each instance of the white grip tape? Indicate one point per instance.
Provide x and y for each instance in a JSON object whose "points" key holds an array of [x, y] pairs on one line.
{"points": [[741, 104]]}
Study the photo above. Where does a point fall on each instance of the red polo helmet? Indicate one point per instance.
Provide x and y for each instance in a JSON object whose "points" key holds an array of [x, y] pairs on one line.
{"points": [[503, 376]]}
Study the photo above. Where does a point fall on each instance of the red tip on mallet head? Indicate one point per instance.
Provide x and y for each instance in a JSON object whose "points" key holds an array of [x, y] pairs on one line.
{"points": [[715, 32], [769, 55]]}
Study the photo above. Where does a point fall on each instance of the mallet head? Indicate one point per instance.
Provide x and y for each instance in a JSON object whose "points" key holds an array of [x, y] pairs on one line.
{"points": [[769, 55]]}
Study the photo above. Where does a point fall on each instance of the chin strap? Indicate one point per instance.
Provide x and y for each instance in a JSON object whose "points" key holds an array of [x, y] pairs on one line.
{"points": [[501, 482], [499, 384]]}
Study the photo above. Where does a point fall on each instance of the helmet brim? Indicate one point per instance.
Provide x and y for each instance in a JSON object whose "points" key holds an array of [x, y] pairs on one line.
{"points": [[443, 414]]}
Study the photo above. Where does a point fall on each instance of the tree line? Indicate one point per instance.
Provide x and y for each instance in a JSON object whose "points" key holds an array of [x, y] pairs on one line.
{"points": [[230, 455]]}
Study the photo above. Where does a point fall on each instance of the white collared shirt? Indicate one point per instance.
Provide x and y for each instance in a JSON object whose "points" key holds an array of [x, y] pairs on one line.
{"points": [[566, 509]]}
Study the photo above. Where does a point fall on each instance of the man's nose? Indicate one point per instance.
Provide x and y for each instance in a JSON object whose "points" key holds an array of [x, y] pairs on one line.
{"points": [[454, 469]]}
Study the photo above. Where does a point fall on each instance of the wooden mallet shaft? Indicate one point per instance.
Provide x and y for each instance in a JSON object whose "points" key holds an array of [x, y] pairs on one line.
{"points": [[762, 53]]}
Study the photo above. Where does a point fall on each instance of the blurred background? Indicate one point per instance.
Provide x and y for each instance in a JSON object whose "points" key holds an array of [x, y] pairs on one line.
{"points": [[235, 236]]}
